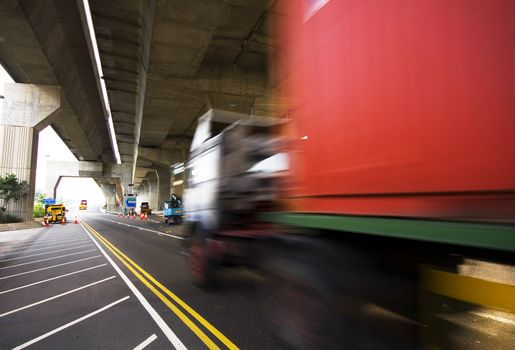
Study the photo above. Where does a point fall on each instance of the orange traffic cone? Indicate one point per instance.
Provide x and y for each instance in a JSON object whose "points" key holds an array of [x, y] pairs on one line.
{"points": [[75, 221], [146, 216], [141, 216], [134, 217], [63, 221]]}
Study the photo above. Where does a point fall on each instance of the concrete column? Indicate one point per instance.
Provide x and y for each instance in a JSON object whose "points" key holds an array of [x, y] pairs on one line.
{"points": [[26, 110], [152, 191], [163, 192], [109, 191]]}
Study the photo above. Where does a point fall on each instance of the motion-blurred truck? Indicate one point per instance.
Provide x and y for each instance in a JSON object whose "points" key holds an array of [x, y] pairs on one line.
{"points": [[402, 172], [173, 210], [231, 177]]}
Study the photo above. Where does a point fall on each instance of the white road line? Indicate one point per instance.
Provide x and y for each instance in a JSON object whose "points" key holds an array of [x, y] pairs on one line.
{"points": [[176, 342], [54, 297], [55, 257], [493, 317], [146, 342], [51, 279], [54, 251], [61, 244], [145, 229], [49, 267], [55, 235], [40, 243], [46, 335]]}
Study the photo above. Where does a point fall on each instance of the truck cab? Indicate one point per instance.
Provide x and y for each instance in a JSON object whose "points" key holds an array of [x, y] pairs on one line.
{"points": [[227, 186]]}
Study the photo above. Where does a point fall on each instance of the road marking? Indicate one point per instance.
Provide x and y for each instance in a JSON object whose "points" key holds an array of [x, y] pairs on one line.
{"points": [[128, 262], [476, 291], [46, 335], [493, 317], [41, 243], [48, 267], [38, 254], [34, 250], [146, 342], [55, 257], [51, 279], [144, 229], [55, 297], [176, 342]]}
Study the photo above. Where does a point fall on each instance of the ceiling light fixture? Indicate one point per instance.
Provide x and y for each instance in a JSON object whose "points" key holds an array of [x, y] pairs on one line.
{"points": [[100, 81]]}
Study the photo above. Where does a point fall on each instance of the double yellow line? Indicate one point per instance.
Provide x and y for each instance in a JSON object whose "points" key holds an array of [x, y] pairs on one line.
{"points": [[146, 278]]}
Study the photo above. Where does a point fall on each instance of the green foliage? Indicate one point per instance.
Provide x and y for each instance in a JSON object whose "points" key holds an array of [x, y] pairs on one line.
{"points": [[39, 210], [8, 218], [10, 190]]}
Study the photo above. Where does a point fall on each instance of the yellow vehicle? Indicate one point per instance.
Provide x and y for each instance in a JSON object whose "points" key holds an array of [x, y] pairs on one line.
{"points": [[145, 208], [55, 213], [83, 205]]}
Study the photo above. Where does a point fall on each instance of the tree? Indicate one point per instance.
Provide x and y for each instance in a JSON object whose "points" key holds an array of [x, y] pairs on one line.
{"points": [[11, 190], [39, 207]]}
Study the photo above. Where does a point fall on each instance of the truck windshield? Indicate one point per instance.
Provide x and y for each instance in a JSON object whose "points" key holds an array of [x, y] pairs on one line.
{"points": [[277, 162]]}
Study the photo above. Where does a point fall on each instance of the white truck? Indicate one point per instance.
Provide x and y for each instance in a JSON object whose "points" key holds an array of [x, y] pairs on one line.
{"points": [[232, 175]]}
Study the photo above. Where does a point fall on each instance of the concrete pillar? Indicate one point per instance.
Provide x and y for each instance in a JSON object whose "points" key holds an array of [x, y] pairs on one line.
{"points": [[163, 191], [26, 110], [109, 191], [153, 190]]}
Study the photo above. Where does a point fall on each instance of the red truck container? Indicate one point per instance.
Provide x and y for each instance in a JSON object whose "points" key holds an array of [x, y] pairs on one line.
{"points": [[403, 108], [403, 158]]}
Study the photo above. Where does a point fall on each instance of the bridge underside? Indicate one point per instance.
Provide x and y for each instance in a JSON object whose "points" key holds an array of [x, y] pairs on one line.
{"points": [[164, 63]]}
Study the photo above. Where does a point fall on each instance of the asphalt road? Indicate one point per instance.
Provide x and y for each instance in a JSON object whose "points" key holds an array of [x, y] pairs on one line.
{"points": [[119, 283]]}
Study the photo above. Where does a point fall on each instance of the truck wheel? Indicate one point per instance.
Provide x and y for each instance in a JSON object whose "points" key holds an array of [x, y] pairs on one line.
{"points": [[177, 220], [200, 265], [295, 309]]}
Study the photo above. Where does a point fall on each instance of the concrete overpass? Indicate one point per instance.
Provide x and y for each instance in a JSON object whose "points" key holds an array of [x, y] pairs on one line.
{"points": [[164, 63]]}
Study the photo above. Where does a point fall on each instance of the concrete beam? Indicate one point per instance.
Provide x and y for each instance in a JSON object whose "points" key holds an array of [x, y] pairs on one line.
{"points": [[161, 156], [30, 105]]}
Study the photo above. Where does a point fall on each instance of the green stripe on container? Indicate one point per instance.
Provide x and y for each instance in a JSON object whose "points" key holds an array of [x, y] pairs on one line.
{"points": [[492, 236]]}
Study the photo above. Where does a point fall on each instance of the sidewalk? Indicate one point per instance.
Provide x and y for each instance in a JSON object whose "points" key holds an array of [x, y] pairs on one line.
{"points": [[19, 226]]}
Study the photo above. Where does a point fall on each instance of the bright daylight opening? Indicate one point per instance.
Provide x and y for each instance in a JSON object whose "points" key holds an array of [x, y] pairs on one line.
{"points": [[55, 159]]}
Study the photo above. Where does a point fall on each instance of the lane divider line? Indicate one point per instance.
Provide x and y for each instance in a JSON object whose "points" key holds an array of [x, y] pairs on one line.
{"points": [[126, 260], [46, 335], [16, 251], [192, 326], [50, 279], [49, 267], [170, 335], [55, 297], [144, 229], [52, 258], [146, 342], [38, 254]]}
